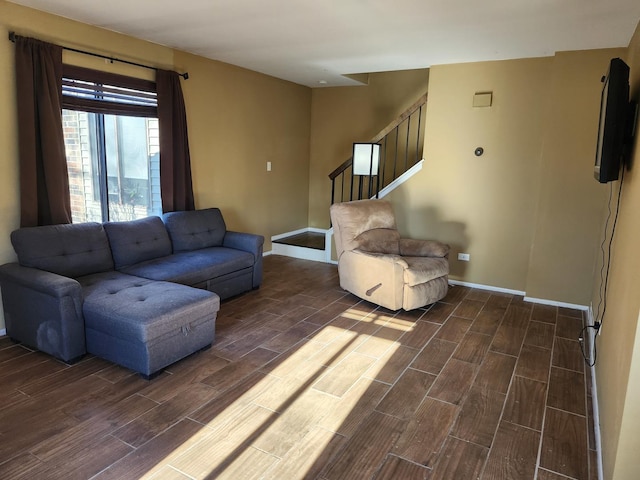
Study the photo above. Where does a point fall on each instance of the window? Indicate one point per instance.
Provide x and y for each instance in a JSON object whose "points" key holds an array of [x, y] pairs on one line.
{"points": [[112, 146]]}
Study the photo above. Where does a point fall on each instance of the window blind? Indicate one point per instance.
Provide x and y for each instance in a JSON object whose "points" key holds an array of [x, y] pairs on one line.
{"points": [[108, 93]]}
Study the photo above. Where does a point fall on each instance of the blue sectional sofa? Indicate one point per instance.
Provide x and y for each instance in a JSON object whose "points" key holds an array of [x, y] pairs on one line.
{"points": [[142, 294]]}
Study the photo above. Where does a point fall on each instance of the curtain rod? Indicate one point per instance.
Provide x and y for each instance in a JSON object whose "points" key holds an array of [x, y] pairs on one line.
{"points": [[185, 75]]}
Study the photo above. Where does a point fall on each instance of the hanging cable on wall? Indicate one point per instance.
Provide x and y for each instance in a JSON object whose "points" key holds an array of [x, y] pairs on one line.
{"points": [[604, 277]]}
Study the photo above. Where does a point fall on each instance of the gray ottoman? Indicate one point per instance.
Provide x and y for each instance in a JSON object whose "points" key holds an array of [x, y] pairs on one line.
{"points": [[146, 325]]}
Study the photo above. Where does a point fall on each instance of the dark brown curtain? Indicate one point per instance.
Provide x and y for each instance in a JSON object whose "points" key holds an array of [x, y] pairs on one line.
{"points": [[175, 162], [44, 184]]}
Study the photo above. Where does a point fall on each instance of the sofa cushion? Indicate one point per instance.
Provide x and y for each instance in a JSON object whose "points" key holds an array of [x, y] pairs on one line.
{"points": [[193, 268], [71, 250], [137, 241], [195, 229]]}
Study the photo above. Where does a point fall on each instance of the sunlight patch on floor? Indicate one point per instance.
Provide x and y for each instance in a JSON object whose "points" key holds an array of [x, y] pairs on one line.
{"points": [[294, 408]]}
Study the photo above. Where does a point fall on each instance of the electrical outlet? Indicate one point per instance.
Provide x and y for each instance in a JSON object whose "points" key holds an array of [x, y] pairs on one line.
{"points": [[465, 257], [268, 166]]}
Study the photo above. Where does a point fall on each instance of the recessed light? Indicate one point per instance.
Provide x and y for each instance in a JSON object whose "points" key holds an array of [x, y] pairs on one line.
{"points": [[322, 82]]}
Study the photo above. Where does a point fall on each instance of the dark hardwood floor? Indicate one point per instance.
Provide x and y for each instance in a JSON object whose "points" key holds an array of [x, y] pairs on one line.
{"points": [[306, 381]]}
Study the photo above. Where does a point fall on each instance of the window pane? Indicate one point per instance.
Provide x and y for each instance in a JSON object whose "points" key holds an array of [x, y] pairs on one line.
{"points": [[82, 166], [127, 147]]}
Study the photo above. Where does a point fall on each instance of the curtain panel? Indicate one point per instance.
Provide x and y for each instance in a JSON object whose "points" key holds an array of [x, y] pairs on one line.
{"points": [[44, 183], [175, 161]]}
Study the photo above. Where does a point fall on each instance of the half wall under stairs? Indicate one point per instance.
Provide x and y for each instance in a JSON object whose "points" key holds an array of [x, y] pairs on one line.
{"points": [[307, 243], [316, 243]]}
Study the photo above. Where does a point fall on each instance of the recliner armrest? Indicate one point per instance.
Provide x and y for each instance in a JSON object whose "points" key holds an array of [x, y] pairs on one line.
{"points": [[423, 248], [383, 257], [378, 240]]}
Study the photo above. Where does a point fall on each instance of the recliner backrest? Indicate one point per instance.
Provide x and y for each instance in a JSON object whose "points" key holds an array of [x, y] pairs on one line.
{"points": [[351, 219]]}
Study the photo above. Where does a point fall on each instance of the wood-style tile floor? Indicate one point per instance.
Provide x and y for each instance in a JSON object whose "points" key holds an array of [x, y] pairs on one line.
{"points": [[307, 239], [306, 381]]}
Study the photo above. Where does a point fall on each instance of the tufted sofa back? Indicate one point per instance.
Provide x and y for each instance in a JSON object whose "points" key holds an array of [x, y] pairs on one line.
{"points": [[196, 229], [70, 250], [75, 250], [137, 241]]}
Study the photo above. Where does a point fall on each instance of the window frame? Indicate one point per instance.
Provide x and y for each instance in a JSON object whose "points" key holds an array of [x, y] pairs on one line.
{"points": [[106, 93]]}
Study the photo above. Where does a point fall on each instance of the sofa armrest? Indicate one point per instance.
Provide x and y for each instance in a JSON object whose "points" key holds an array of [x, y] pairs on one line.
{"points": [[43, 310], [247, 242], [423, 248], [251, 243], [48, 283]]}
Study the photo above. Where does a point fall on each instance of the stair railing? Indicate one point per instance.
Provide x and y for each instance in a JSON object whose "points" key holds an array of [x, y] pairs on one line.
{"points": [[400, 148]]}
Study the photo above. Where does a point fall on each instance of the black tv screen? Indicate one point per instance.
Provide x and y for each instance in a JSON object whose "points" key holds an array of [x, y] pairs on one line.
{"points": [[614, 110]]}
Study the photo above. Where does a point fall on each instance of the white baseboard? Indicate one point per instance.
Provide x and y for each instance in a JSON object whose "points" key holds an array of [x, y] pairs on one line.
{"points": [[556, 304], [596, 422], [302, 252], [541, 301], [594, 394], [298, 252], [480, 286], [266, 254], [298, 232], [328, 234]]}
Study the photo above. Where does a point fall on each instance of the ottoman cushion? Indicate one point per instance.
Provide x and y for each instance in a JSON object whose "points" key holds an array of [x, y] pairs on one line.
{"points": [[127, 318]]}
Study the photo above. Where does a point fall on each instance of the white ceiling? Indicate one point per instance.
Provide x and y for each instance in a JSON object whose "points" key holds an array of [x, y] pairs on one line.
{"points": [[308, 41]]}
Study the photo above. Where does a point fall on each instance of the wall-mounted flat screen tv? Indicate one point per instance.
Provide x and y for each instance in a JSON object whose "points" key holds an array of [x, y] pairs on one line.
{"points": [[614, 116]]}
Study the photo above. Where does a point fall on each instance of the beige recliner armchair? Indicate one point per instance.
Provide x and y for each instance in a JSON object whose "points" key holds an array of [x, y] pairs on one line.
{"points": [[377, 265]]}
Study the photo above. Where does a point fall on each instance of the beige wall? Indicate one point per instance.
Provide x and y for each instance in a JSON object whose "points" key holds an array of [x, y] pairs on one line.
{"points": [[570, 201], [528, 210], [480, 205], [618, 365], [341, 116], [238, 120]]}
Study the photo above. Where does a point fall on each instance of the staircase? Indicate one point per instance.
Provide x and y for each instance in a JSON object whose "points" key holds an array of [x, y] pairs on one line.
{"points": [[401, 144]]}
